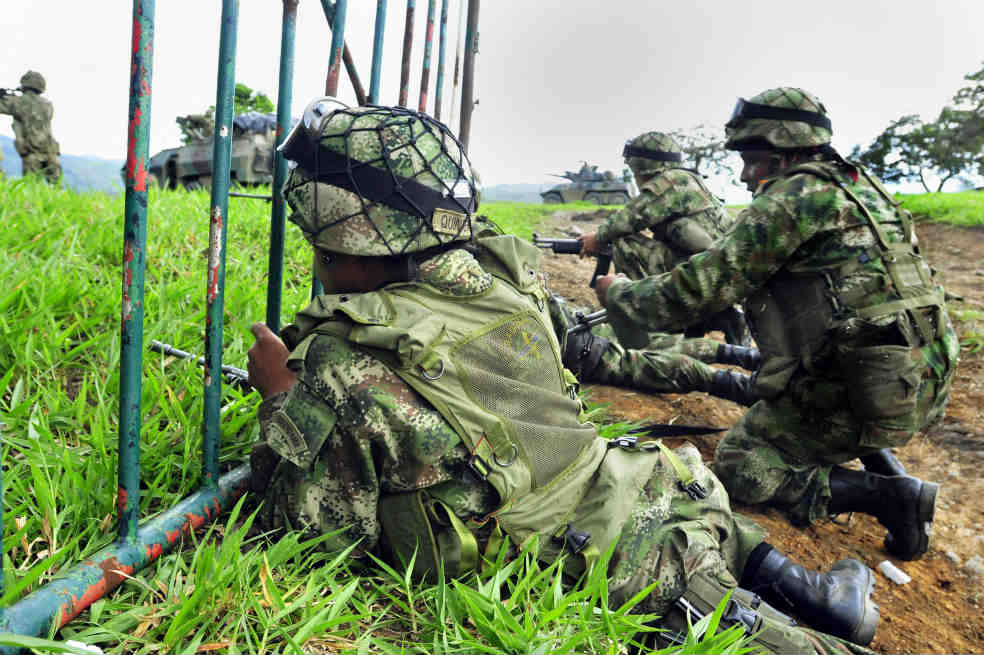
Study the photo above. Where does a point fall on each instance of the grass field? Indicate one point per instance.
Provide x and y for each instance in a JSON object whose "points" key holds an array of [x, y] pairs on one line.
{"points": [[238, 591], [963, 208]]}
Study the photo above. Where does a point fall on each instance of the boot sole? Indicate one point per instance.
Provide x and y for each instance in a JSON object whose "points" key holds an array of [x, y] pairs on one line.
{"points": [[865, 631], [926, 510]]}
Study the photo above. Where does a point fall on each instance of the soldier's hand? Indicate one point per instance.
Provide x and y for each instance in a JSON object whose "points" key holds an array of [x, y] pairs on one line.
{"points": [[267, 363], [602, 283], [589, 245]]}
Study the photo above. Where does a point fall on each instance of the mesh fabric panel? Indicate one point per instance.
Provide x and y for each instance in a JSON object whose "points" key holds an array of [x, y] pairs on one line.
{"points": [[512, 372]]}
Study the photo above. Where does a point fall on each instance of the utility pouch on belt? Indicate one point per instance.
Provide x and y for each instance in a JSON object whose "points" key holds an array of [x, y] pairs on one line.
{"points": [[414, 521], [881, 381]]}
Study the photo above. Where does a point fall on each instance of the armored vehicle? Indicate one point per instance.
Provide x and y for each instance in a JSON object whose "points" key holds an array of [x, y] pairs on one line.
{"points": [[590, 185], [190, 166]]}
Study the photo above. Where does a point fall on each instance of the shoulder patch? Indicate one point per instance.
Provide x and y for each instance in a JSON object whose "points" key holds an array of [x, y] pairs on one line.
{"points": [[286, 439]]}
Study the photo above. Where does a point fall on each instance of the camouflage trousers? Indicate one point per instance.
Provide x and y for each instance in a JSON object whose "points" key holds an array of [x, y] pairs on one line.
{"points": [[680, 542], [45, 164], [782, 450]]}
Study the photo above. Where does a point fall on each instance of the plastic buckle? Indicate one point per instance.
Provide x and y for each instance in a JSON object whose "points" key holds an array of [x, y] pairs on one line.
{"points": [[479, 466], [625, 443], [694, 489], [736, 613]]}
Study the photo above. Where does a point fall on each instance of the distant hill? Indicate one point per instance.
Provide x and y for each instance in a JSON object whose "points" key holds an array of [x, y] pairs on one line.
{"points": [[81, 173], [529, 193]]}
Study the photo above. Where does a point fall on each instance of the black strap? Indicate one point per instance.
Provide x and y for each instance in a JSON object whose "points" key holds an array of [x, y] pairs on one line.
{"points": [[656, 155], [746, 110], [376, 184], [666, 430]]}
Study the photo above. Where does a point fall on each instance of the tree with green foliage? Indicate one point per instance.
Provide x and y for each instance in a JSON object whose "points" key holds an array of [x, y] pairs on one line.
{"points": [[704, 147], [200, 127], [951, 147]]}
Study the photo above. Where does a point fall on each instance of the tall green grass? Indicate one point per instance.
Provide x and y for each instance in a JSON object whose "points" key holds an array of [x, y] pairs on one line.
{"points": [[962, 208], [238, 590]]}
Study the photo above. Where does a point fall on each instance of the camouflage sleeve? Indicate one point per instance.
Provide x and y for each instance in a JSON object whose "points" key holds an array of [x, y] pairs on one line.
{"points": [[763, 238], [673, 193], [8, 105]]}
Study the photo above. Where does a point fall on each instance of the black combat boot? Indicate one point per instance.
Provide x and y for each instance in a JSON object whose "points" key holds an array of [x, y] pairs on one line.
{"points": [[731, 322], [883, 462], [736, 387], [838, 602], [747, 358], [903, 504]]}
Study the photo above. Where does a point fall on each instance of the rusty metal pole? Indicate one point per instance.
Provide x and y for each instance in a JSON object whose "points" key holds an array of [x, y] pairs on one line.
{"points": [[377, 51], [134, 266], [441, 50], [360, 93], [218, 229], [468, 74], [337, 45], [275, 267], [428, 46], [456, 77], [407, 48]]}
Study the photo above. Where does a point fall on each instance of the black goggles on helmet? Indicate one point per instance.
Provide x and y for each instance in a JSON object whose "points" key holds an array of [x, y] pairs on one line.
{"points": [[303, 148], [655, 155], [745, 110]]}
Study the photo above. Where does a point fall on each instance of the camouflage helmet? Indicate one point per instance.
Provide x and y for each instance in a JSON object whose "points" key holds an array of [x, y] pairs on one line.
{"points": [[32, 80], [377, 180], [782, 119], [652, 153]]}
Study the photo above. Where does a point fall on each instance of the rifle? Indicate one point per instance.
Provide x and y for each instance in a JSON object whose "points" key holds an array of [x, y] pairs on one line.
{"points": [[235, 376], [584, 321], [9, 92], [573, 247]]}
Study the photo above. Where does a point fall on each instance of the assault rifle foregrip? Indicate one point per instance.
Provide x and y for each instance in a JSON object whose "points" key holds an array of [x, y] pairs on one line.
{"points": [[573, 247]]}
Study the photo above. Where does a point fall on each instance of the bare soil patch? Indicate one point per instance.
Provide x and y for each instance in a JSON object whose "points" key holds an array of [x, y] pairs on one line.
{"points": [[940, 610]]}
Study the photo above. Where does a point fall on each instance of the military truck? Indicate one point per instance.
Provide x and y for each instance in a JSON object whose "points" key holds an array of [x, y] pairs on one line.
{"points": [[190, 166], [590, 185]]}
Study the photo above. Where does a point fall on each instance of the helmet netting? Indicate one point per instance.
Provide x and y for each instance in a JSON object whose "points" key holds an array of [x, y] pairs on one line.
{"points": [[419, 161]]}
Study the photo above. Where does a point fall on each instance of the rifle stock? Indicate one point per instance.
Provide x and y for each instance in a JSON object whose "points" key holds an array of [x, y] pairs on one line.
{"points": [[236, 376]]}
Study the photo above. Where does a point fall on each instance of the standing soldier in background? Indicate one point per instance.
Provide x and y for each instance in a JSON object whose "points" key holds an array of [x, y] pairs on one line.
{"points": [[857, 350], [684, 218], [419, 408], [32, 127]]}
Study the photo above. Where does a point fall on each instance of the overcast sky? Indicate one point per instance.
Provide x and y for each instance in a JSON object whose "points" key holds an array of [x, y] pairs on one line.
{"points": [[557, 81]]}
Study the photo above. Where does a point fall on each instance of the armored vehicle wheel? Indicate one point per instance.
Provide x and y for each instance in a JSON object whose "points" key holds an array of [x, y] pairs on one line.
{"points": [[552, 197], [595, 198], [192, 184]]}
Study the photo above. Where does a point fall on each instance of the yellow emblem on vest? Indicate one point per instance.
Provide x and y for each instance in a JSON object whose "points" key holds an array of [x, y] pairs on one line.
{"points": [[447, 221]]}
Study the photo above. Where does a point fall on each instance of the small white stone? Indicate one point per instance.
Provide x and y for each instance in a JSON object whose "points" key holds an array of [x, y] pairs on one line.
{"points": [[894, 573], [953, 557], [975, 565], [89, 647]]}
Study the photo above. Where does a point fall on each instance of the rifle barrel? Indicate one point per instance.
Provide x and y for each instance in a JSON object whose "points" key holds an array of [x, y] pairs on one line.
{"points": [[168, 349]]}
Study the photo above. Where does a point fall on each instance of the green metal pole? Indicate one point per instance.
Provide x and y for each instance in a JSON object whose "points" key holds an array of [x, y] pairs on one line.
{"points": [[407, 50], [428, 46], [218, 227], [441, 51], [468, 74], [277, 221], [134, 266], [377, 51]]}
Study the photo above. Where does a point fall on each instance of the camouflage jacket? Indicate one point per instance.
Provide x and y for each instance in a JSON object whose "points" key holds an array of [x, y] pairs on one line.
{"points": [[365, 432], [796, 225], [677, 207], [32, 123]]}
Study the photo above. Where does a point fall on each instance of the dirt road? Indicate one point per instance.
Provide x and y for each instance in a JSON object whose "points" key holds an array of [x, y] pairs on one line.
{"points": [[942, 609]]}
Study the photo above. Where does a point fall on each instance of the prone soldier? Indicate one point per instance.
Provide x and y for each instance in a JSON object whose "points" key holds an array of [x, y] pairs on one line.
{"points": [[857, 349], [420, 405], [32, 126]]}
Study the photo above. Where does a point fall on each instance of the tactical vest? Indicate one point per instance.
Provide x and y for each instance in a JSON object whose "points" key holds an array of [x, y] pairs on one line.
{"points": [[490, 364], [711, 218], [803, 320]]}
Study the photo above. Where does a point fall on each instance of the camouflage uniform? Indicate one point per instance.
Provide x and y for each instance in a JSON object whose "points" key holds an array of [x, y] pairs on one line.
{"points": [[804, 224], [32, 128], [683, 217], [358, 432]]}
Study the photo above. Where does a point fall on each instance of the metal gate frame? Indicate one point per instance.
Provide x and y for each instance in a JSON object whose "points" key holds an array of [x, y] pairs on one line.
{"points": [[137, 546]]}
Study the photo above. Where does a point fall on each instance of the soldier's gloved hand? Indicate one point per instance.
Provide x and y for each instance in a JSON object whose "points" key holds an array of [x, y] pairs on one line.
{"points": [[602, 283], [267, 363], [589, 245]]}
